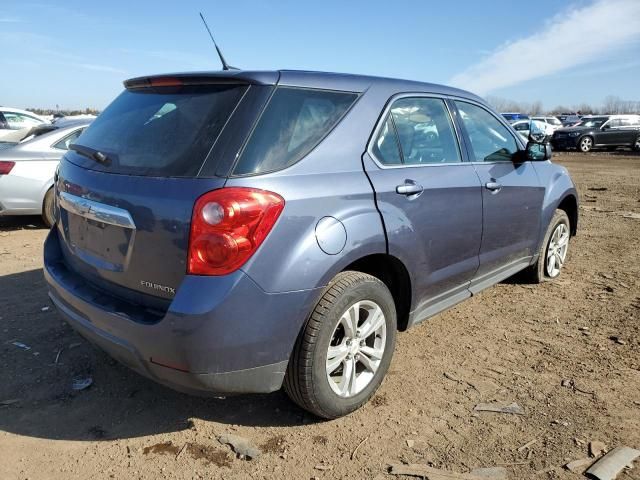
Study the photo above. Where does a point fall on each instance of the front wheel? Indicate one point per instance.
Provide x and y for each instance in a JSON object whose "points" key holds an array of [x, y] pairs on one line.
{"points": [[553, 251], [636, 145], [586, 144], [344, 351]]}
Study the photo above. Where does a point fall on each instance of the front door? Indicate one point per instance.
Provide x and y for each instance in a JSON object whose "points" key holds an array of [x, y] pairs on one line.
{"points": [[429, 198], [512, 196]]}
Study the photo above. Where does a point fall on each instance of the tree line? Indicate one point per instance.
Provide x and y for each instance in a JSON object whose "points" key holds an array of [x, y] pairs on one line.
{"points": [[51, 111], [611, 105]]}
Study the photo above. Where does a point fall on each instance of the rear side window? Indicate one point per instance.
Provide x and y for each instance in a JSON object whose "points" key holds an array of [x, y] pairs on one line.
{"points": [[424, 132], [490, 140], [294, 121], [166, 131], [68, 140]]}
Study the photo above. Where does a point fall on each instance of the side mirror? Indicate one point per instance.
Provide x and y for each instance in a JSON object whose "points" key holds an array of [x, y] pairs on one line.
{"points": [[538, 152]]}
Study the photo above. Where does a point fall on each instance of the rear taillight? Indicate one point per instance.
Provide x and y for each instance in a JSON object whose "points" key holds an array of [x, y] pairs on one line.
{"points": [[228, 226], [5, 167]]}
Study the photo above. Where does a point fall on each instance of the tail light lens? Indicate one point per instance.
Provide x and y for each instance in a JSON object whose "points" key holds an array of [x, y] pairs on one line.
{"points": [[6, 167], [228, 226]]}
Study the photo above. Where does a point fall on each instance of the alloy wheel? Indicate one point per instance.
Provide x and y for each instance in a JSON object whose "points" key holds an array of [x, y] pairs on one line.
{"points": [[356, 348], [557, 250], [585, 144]]}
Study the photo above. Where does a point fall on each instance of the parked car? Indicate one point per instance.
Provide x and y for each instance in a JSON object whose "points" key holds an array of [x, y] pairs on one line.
{"points": [[244, 241], [514, 116], [523, 127], [552, 123], [27, 169], [14, 122], [569, 119], [538, 130], [600, 131]]}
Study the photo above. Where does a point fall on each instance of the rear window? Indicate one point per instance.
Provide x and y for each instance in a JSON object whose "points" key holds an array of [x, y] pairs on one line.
{"points": [[292, 124], [164, 131]]}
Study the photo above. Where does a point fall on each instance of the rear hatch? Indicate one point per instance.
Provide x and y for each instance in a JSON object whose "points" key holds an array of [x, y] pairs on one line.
{"points": [[127, 188]]}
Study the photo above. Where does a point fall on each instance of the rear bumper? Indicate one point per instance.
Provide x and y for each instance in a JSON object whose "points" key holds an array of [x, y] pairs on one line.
{"points": [[219, 335]]}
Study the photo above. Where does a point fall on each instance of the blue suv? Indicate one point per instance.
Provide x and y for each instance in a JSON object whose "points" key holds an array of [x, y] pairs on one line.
{"points": [[241, 231]]}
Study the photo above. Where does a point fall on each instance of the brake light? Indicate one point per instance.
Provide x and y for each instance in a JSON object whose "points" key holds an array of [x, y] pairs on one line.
{"points": [[5, 167], [165, 82], [227, 227]]}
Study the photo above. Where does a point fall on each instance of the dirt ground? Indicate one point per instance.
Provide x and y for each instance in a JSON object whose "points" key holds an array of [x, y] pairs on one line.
{"points": [[514, 343]]}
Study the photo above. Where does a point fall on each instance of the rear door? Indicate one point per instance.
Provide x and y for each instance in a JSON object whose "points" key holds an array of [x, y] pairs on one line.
{"points": [[429, 198], [127, 186], [511, 195]]}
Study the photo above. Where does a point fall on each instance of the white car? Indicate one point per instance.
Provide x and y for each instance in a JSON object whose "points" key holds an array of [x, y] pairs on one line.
{"points": [[551, 123], [14, 123], [27, 169], [523, 127]]}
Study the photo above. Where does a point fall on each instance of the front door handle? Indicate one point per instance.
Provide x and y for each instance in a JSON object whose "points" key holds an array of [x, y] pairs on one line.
{"points": [[409, 188], [493, 186]]}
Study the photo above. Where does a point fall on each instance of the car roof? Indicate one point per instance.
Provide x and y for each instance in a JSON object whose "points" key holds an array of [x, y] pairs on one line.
{"points": [[313, 79]]}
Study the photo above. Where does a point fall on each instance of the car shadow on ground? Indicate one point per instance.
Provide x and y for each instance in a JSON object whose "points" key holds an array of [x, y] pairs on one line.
{"points": [[26, 222], [42, 355]]}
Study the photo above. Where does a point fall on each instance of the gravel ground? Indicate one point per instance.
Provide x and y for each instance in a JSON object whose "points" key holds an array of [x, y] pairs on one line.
{"points": [[567, 352]]}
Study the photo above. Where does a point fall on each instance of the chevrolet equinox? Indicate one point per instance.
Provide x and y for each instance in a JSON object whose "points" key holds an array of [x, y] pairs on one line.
{"points": [[241, 231]]}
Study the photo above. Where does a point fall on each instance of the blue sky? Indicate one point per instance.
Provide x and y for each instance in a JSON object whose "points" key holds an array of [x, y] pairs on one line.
{"points": [[77, 53]]}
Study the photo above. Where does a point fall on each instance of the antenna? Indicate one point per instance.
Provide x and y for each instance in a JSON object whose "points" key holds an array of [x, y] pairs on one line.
{"points": [[225, 65]]}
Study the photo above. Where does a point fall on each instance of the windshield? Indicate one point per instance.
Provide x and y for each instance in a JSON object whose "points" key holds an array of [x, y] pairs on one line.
{"points": [[595, 122], [164, 131]]}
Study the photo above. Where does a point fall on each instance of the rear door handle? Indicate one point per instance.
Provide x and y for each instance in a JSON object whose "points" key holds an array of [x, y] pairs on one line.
{"points": [[493, 186], [409, 188]]}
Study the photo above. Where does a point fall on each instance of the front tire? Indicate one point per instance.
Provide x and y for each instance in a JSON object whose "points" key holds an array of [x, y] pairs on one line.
{"points": [[345, 349], [48, 212], [553, 251], [585, 144], [636, 146]]}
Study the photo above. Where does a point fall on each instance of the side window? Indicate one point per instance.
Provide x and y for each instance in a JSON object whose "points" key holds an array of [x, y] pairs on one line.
{"points": [[3, 121], [292, 124], [17, 121], [68, 140], [521, 126], [490, 140], [425, 131], [385, 147], [615, 123]]}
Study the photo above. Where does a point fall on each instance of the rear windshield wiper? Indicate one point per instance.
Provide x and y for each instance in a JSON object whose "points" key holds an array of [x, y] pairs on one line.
{"points": [[89, 152]]}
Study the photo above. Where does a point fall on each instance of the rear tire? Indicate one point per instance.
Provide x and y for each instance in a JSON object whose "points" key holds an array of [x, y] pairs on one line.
{"points": [[558, 233], [585, 144], [48, 208], [336, 365], [636, 146]]}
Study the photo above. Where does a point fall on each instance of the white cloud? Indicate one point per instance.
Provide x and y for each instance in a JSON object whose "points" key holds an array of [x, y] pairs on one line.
{"points": [[576, 37], [100, 68]]}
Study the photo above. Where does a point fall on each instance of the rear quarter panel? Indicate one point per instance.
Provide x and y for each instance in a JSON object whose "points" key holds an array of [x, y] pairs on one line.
{"points": [[24, 188], [329, 181]]}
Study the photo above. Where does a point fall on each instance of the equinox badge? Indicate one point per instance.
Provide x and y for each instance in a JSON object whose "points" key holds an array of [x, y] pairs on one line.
{"points": [[157, 286]]}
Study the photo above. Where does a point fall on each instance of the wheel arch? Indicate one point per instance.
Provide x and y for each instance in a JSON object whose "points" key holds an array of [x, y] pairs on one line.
{"points": [[394, 274], [569, 204]]}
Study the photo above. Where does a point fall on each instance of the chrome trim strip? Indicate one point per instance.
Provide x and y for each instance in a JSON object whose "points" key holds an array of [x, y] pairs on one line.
{"points": [[98, 212]]}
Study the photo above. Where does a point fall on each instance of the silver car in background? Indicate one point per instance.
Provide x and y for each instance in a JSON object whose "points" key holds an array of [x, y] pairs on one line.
{"points": [[27, 169]]}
